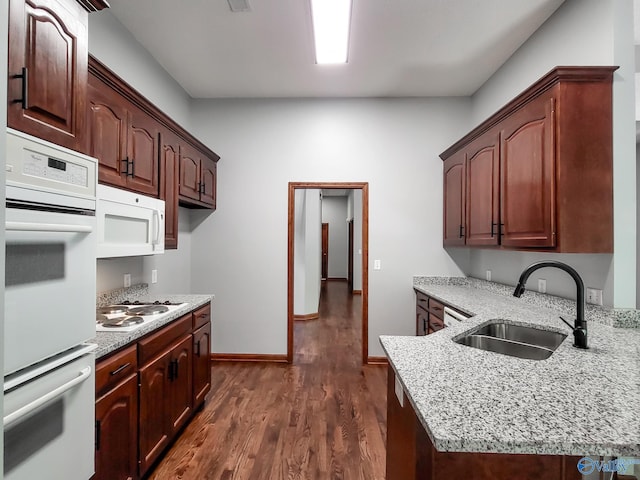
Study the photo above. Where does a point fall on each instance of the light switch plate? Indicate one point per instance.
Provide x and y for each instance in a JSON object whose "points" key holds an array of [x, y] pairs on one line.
{"points": [[127, 280], [154, 276], [376, 265], [488, 275]]}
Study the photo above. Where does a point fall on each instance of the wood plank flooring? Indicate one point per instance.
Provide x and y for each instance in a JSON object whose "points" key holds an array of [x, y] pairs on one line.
{"points": [[323, 417]]}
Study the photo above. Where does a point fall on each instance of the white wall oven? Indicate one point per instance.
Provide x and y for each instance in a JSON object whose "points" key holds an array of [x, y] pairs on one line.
{"points": [[50, 278]]}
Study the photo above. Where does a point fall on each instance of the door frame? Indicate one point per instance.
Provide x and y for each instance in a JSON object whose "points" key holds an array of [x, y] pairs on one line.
{"points": [[364, 186]]}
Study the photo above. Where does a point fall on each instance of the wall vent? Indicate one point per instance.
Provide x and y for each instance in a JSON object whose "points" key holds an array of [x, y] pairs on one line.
{"points": [[239, 5]]}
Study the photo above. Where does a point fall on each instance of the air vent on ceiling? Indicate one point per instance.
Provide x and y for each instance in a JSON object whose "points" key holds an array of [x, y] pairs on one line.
{"points": [[239, 5]]}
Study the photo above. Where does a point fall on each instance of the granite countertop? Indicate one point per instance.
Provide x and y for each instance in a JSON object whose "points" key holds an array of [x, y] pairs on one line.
{"points": [[577, 402], [109, 342]]}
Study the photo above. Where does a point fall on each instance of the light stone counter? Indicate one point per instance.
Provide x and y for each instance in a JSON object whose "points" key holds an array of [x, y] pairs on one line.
{"points": [[109, 342], [577, 402]]}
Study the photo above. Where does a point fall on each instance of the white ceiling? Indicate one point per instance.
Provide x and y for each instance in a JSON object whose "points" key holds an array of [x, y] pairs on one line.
{"points": [[398, 47]]}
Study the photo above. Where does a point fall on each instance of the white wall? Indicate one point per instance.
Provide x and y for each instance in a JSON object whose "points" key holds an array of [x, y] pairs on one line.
{"points": [[117, 48], [313, 250], [357, 240], [334, 212], [307, 251], [581, 32], [112, 44], [240, 253]]}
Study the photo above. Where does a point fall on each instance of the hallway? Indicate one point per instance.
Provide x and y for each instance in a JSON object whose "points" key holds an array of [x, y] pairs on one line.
{"points": [[324, 417]]}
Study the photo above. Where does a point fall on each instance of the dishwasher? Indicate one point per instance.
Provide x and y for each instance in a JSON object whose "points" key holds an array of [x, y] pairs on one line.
{"points": [[453, 317]]}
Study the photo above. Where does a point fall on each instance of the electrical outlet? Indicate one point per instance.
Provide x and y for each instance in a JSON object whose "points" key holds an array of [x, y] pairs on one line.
{"points": [[542, 285], [376, 265], [594, 296], [127, 280], [488, 275], [154, 276]]}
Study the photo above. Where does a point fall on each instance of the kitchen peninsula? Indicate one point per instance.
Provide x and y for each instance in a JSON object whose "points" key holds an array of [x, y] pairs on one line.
{"points": [[456, 410]]}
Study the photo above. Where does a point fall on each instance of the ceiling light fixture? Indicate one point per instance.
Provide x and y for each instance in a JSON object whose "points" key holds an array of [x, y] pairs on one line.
{"points": [[331, 21]]}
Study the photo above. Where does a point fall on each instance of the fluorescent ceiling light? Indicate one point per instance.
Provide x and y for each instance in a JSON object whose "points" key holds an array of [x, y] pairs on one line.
{"points": [[331, 19]]}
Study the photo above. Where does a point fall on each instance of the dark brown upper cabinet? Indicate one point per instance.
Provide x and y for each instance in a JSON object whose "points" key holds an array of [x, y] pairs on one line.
{"points": [[454, 200], [538, 174], [124, 139], [140, 148], [169, 171], [47, 83], [197, 178]]}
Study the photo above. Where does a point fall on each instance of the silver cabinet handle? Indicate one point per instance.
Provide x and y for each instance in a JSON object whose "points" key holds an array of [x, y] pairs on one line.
{"points": [[30, 407], [46, 227]]}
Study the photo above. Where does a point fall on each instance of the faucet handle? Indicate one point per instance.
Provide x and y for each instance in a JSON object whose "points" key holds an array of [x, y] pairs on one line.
{"points": [[579, 334], [568, 324]]}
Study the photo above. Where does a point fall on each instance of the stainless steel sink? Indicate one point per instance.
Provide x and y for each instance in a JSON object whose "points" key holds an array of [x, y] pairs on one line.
{"points": [[514, 340]]}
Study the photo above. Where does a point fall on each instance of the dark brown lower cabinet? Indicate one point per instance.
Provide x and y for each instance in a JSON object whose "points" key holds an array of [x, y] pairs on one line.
{"points": [[201, 364], [412, 456], [154, 414], [139, 411], [181, 384], [117, 433]]}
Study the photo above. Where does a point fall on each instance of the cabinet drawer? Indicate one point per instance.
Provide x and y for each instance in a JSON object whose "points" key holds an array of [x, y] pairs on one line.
{"points": [[435, 323], [202, 316], [111, 371], [436, 308], [153, 344]]}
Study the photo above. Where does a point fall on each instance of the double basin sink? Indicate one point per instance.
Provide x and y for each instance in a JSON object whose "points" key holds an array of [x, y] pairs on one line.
{"points": [[514, 340]]}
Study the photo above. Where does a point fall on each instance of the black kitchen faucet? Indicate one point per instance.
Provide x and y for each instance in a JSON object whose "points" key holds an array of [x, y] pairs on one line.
{"points": [[580, 326]]}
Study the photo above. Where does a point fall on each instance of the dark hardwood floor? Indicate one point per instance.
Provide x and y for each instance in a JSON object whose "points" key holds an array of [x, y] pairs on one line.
{"points": [[323, 417]]}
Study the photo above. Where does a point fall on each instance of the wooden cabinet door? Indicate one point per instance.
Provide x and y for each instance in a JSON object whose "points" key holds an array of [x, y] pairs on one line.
{"points": [[154, 410], [527, 167], [208, 181], [169, 171], [142, 147], [48, 40], [181, 386], [454, 200], [189, 173], [401, 434], [482, 191], [117, 432], [201, 363], [107, 121]]}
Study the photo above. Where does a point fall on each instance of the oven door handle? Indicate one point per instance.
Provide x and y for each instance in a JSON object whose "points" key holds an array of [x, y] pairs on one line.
{"points": [[39, 402], [47, 227]]}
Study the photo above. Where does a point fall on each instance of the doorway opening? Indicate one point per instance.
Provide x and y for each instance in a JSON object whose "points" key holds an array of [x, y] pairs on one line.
{"points": [[364, 188]]}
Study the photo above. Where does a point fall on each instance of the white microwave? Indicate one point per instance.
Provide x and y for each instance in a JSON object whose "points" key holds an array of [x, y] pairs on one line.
{"points": [[129, 224]]}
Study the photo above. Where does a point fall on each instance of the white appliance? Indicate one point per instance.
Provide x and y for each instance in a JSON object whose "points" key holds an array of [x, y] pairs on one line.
{"points": [[452, 317], [129, 224], [50, 290], [132, 316]]}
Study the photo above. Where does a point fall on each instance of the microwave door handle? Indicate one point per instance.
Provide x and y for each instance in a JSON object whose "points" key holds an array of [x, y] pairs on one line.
{"points": [[47, 227], [156, 224], [46, 398]]}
